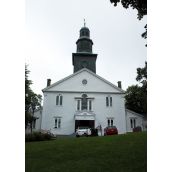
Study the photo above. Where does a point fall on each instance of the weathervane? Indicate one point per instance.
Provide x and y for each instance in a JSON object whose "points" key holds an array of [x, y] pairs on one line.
{"points": [[84, 23]]}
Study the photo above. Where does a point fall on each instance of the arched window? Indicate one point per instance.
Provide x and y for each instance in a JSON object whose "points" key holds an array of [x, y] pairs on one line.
{"points": [[84, 102], [59, 100], [109, 101]]}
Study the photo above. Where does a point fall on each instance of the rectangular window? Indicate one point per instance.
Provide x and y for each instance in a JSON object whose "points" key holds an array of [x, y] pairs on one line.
{"points": [[111, 122], [61, 99], [108, 122], [59, 123], [107, 101], [110, 101], [78, 104], [57, 100], [55, 123], [134, 123], [90, 105], [131, 123]]}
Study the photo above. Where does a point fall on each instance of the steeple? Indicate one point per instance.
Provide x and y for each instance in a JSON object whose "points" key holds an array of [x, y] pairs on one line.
{"points": [[84, 58], [84, 43]]}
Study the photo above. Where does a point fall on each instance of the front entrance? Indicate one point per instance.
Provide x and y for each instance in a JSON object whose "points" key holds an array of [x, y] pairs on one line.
{"points": [[84, 123]]}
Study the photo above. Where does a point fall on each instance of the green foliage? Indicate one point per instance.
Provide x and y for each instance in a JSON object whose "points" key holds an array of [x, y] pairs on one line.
{"points": [[32, 100], [136, 96], [37, 136], [120, 153], [139, 5]]}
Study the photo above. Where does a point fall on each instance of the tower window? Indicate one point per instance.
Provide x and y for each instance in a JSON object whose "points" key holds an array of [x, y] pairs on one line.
{"points": [[59, 100]]}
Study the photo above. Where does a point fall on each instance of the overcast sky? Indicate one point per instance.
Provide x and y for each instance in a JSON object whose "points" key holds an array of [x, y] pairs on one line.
{"points": [[52, 29]]}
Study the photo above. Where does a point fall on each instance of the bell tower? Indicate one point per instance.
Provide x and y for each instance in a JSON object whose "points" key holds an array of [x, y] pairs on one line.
{"points": [[84, 58]]}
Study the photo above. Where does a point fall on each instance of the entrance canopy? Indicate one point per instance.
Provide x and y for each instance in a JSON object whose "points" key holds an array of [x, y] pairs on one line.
{"points": [[84, 116]]}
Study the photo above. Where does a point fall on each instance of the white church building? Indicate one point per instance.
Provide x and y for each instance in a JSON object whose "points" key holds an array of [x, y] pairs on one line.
{"points": [[85, 98]]}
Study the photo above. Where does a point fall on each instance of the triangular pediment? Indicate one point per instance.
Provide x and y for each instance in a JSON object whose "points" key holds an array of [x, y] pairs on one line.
{"points": [[83, 81]]}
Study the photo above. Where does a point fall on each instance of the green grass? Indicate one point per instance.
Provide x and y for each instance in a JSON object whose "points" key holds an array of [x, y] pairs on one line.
{"points": [[122, 153]]}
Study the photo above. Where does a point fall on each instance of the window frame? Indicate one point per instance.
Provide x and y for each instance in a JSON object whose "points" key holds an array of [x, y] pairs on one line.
{"points": [[57, 122], [59, 100]]}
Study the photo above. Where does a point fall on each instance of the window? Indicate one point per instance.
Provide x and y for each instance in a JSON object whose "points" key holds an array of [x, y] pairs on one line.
{"points": [[57, 122], [84, 102], [109, 101], [78, 104], [90, 105], [59, 99], [110, 122], [133, 122]]}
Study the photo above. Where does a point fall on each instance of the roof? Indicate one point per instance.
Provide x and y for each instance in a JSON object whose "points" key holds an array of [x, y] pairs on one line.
{"points": [[135, 113], [80, 71]]}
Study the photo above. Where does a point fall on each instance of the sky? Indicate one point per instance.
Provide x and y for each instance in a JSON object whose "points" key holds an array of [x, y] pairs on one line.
{"points": [[52, 29]]}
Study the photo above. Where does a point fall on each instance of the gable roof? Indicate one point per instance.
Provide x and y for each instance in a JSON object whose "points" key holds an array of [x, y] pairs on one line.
{"points": [[138, 114], [80, 71]]}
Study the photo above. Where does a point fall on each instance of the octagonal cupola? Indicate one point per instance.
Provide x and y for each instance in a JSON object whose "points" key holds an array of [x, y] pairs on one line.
{"points": [[84, 43]]}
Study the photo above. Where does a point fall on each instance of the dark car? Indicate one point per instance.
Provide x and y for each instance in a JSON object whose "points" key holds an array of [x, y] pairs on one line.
{"points": [[111, 130]]}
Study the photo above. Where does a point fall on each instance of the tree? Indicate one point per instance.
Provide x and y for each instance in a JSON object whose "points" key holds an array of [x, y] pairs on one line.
{"points": [[32, 100], [136, 96], [139, 5]]}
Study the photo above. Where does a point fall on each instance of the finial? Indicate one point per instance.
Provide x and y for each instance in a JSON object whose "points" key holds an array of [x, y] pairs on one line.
{"points": [[84, 23]]}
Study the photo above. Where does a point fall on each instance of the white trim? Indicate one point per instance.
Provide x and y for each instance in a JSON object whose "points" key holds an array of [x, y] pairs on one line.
{"points": [[127, 110], [76, 73]]}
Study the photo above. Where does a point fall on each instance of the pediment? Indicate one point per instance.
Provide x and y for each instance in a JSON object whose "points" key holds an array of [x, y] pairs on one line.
{"points": [[83, 81]]}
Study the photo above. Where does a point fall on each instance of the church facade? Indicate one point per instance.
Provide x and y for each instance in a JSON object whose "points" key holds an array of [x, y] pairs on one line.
{"points": [[84, 98]]}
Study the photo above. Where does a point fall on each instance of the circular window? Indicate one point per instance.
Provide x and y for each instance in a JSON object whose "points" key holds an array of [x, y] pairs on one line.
{"points": [[84, 81]]}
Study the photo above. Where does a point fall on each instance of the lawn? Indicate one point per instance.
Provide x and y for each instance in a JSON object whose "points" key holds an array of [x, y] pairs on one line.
{"points": [[119, 153]]}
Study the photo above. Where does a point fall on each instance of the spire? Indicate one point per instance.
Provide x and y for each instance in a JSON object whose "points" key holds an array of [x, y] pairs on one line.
{"points": [[84, 23], [84, 57]]}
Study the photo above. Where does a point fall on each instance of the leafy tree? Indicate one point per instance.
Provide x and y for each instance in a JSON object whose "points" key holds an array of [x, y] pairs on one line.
{"points": [[139, 5], [136, 96], [32, 101]]}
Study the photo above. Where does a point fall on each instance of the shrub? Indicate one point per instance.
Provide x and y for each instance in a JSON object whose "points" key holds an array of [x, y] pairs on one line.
{"points": [[37, 136], [137, 129], [94, 132]]}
